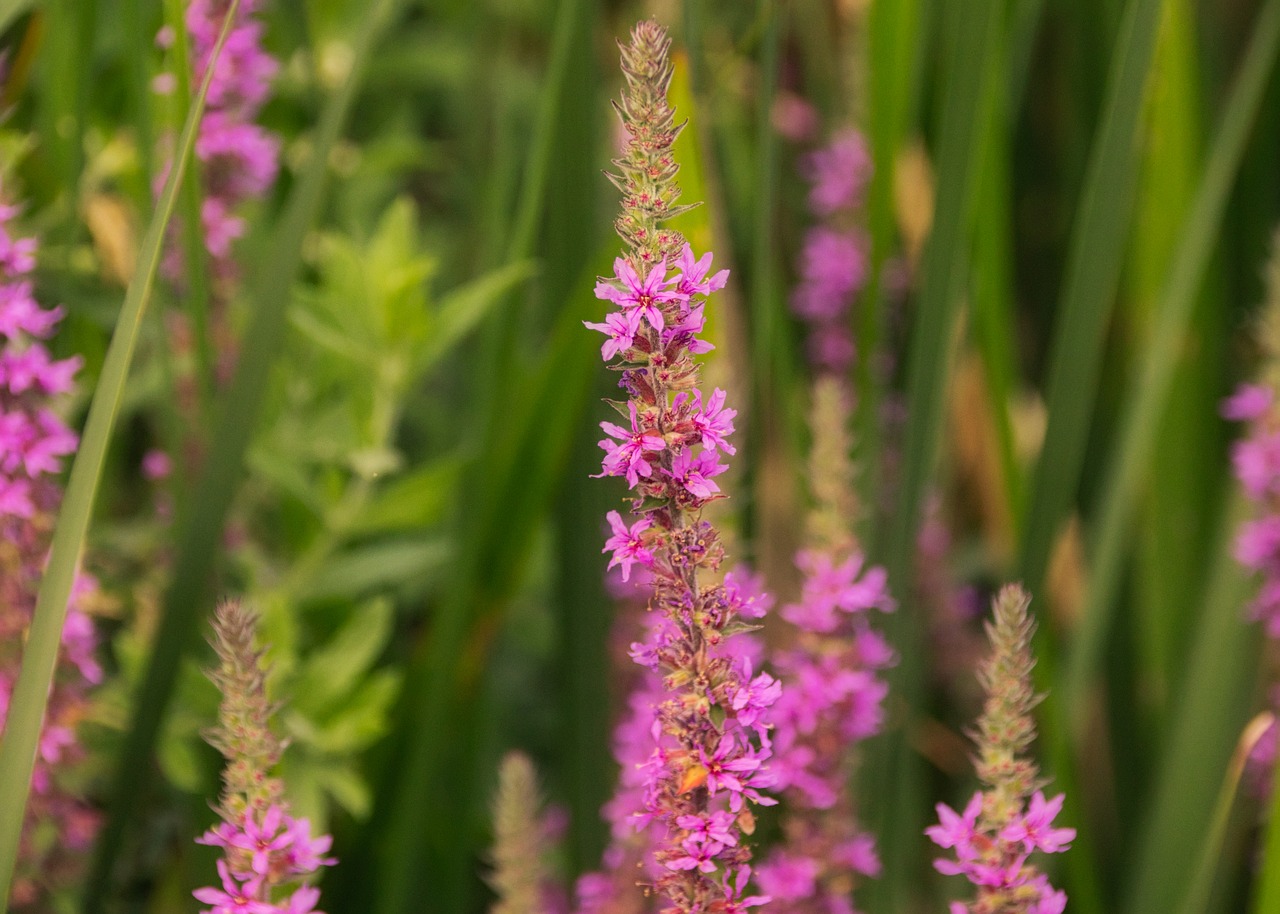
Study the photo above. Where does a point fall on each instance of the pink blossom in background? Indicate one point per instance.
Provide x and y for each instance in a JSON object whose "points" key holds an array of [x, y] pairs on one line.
{"points": [[34, 445], [833, 263], [238, 158]]}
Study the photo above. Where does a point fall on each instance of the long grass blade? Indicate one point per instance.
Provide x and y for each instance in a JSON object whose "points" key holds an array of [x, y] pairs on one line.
{"points": [[946, 270], [199, 532], [1207, 717], [31, 691], [1097, 248], [1267, 896], [1149, 396], [11, 10]]}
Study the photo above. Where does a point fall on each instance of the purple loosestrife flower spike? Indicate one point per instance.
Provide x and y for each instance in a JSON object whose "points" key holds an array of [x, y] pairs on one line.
{"points": [[833, 694], [993, 839], [1256, 459], [702, 743], [58, 825], [238, 159], [266, 851]]}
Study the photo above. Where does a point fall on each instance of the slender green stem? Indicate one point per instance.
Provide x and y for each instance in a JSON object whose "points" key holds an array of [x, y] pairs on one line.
{"points": [[31, 692], [196, 296]]}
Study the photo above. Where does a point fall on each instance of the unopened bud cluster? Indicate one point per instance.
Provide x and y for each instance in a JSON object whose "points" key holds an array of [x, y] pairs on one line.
{"points": [[995, 835], [265, 850]]}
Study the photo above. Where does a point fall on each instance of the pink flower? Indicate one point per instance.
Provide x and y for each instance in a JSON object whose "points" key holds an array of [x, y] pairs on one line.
{"points": [[694, 474], [621, 332], [714, 422], [303, 854], [640, 298], [263, 842], [693, 274], [1034, 829], [957, 830], [626, 456], [789, 877], [1249, 402], [628, 544], [751, 701], [839, 172], [234, 898]]}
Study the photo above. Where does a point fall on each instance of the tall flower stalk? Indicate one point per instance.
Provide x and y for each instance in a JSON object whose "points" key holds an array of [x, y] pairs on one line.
{"points": [[707, 763], [265, 850], [833, 696], [993, 838], [57, 825]]}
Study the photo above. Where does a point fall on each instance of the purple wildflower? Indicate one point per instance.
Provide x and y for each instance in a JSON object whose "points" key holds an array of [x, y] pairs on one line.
{"points": [[628, 543], [239, 160], [694, 772], [992, 840], [839, 172], [626, 456], [833, 259], [641, 297], [265, 849]]}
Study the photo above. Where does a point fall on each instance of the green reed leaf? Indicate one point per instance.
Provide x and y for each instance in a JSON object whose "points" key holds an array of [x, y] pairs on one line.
{"points": [[1148, 397]]}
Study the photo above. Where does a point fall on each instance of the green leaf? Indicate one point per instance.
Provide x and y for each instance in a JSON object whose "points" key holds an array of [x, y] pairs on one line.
{"points": [[354, 724], [1148, 396], [463, 308], [362, 569], [347, 656], [418, 499]]}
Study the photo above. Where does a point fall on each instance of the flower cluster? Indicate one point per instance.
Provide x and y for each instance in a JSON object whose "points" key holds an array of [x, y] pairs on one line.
{"points": [[994, 837], [1256, 459], [238, 158], [710, 747], [833, 695], [264, 848], [833, 260], [33, 442]]}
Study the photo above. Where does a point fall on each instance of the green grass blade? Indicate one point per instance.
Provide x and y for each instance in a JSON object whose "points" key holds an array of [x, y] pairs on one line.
{"points": [[1267, 897], [1097, 248], [11, 10], [31, 691], [1199, 891], [1207, 717], [1148, 397], [1022, 41], [200, 530], [946, 270], [993, 315], [196, 297], [1093, 270]]}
